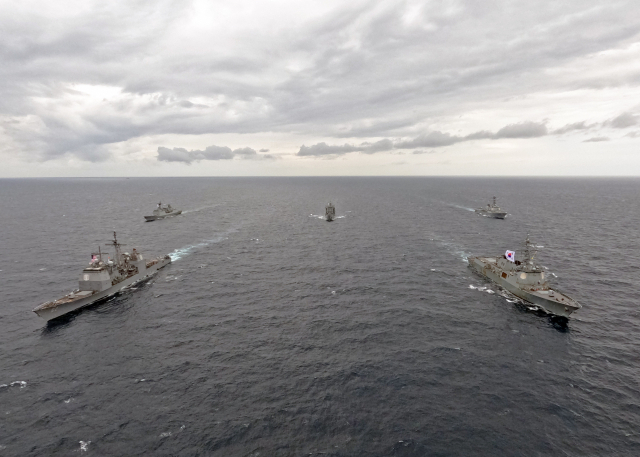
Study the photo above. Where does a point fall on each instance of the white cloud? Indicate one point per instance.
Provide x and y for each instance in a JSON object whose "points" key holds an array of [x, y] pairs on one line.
{"points": [[89, 81]]}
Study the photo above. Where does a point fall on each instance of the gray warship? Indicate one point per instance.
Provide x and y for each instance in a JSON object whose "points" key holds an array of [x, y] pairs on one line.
{"points": [[103, 278], [525, 279], [161, 212], [330, 212], [492, 210]]}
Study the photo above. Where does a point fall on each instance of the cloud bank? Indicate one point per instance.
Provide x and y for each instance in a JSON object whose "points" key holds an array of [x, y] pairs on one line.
{"points": [[210, 153], [435, 139]]}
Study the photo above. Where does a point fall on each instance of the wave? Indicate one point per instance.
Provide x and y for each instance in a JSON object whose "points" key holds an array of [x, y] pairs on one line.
{"points": [[195, 210], [453, 205], [453, 248], [22, 384], [461, 207], [185, 251]]}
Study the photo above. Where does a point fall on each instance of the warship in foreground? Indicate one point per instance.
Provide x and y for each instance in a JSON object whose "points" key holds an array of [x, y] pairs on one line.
{"points": [[102, 279], [492, 210], [525, 279], [161, 212], [330, 212]]}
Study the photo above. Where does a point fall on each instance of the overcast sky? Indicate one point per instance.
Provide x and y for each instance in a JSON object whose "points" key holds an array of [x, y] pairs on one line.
{"points": [[178, 88]]}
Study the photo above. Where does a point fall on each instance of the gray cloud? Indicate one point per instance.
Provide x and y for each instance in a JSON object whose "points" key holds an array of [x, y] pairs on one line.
{"points": [[597, 139], [322, 149], [378, 146], [435, 139], [431, 140], [210, 153], [264, 150], [522, 130], [623, 121], [572, 127]]}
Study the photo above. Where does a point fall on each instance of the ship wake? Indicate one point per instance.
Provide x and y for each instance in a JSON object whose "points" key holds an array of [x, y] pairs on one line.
{"points": [[185, 251]]}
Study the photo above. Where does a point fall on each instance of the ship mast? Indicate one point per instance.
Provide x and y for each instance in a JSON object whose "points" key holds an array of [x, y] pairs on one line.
{"points": [[116, 245], [527, 251]]}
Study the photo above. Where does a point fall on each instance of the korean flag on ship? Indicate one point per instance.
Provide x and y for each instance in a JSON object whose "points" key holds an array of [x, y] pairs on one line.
{"points": [[511, 256]]}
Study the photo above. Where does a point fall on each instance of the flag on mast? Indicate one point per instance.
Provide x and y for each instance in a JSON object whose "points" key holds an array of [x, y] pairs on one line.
{"points": [[511, 256]]}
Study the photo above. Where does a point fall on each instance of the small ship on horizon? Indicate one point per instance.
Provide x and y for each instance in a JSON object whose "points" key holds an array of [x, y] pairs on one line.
{"points": [[492, 210], [330, 212], [162, 212]]}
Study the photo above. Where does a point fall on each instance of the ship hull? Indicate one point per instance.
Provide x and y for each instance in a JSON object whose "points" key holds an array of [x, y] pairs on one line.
{"points": [[549, 306], [491, 215], [65, 308], [329, 218], [155, 218]]}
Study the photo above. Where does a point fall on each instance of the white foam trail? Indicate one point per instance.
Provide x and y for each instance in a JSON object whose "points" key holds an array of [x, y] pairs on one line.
{"points": [[22, 384], [185, 251], [458, 206], [195, 210], [489, 291], [84, 445], [165, 434]]}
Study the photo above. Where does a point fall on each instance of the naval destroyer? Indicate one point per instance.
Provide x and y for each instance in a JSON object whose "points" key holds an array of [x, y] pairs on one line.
{"points": [[492, 210], [330, 212], [525, 279], [104, 278], [161, 212]]}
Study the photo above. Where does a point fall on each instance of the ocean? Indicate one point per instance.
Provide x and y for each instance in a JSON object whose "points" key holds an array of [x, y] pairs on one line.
{"points": [[276, 333]]}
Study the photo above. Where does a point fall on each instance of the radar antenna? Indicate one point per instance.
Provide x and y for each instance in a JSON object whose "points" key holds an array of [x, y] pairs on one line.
{"points": [[99, 254]]}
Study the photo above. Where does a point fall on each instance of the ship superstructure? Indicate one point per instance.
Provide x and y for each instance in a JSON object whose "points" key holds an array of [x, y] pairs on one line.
{"points": [[102, 278]]}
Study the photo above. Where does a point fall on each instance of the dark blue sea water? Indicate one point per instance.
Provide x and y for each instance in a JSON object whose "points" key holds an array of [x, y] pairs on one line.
{"points": [[275, 333]]}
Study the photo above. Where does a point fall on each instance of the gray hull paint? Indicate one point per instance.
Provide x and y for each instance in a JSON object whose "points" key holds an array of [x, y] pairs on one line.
{"points": [[154, 218], [494, 215], [57, 311], [549, 306]]}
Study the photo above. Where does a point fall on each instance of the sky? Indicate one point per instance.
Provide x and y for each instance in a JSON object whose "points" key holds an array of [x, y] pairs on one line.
{"points": [[322, 88]]}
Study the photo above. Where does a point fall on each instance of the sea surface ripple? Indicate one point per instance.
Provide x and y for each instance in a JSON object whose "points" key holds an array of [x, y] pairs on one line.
{"points": [[275, 333]]}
